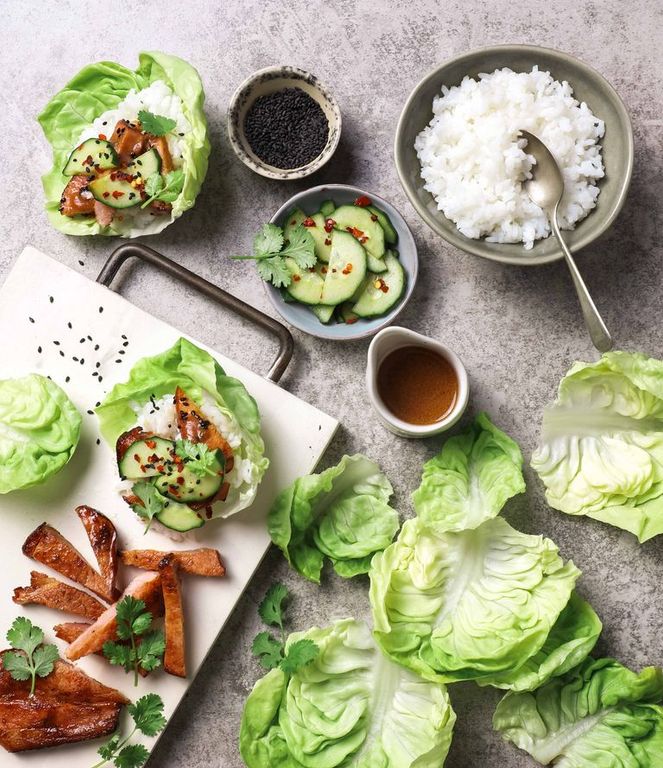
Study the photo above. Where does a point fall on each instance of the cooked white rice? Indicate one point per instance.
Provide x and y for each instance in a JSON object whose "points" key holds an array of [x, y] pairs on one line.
{"points": [[159, 99], [474, 164]]}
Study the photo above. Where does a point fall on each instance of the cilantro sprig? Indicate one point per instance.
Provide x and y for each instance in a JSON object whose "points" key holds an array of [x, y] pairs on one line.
{"points": [[270, 250], [143, 647], [198, 457], [30, 659], [157, 125], [167, 189], [152, 502], [147, 714], [271, 651]]}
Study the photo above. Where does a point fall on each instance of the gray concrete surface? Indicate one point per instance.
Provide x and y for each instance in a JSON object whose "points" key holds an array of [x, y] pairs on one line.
{"points": [[516, 329]]}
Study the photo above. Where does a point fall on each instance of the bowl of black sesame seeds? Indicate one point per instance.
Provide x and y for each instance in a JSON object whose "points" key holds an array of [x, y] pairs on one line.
{"points": [[283, 123]]}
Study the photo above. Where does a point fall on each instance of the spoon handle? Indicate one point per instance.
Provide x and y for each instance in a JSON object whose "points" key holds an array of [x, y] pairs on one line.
{"points": [[593, 320]]}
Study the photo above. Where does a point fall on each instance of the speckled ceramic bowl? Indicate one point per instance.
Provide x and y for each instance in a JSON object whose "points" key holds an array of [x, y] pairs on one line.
{"points": [[299, 315], [269, 80], [588, 85]]}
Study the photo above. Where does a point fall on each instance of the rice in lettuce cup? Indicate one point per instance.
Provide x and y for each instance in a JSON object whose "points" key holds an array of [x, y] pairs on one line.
{"points": [[130, 148]]}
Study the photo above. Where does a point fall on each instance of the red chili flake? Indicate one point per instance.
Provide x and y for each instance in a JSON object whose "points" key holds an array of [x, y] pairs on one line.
{"points": [[327, 241], [88, 160], [363, 239], [152, 444], [106, 194], [160, 468], [351, 320], [383, 286], [137, 457], [329, 225], [356, 233], [296, 278], [102, 136], [363, 201], [308, 222], [117, 194], [374, 217], [180, 480]]}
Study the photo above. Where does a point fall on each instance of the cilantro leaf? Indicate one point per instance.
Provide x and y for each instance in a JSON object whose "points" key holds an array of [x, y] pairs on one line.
{"points": [[30, 659], [131, 756], [301, 247], [152, 503], [198, 457], [117, 654], [107, 750], [270, 609], [268, 241], [173, 187], [298, 655], [274, 271], [268, 650], [17, 665], [150, 650], [130, 617], [154, 185], [147, 714], [141, 649], [157, 125]]}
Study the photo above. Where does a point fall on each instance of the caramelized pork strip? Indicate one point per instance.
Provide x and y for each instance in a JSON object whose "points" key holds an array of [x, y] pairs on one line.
{"points": [[76, 197], [197, 562], [44, 590], [71, 630], [196, 428], [128, 141], [103, 540], [174, 660]]}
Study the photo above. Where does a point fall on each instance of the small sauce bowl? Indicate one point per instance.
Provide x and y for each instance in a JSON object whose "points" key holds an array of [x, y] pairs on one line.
{"points": [[395, 338], [267, 81]]}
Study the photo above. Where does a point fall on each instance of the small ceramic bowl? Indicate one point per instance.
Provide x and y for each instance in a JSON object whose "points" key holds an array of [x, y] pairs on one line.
{"points": [[270, 80], [301, 316], [588, 85], [394, 338]]}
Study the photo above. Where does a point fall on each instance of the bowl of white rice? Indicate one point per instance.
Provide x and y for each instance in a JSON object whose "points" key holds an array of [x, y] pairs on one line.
{"points": [[462, 162]]}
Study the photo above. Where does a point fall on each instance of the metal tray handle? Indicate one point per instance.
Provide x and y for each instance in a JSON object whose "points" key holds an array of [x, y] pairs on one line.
{"points": [[163, 263]]}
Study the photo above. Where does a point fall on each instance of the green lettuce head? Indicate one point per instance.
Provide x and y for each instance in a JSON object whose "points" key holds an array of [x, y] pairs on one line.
{"points": [[98, 88], [471, 479], [487, 604], [39, 431], [601, 449], [341, 513], [351, 707], [601, 714], [194, 370]]}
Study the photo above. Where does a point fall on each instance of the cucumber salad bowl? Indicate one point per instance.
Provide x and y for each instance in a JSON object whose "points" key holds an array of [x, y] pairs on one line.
{"points": [[366, 269]]}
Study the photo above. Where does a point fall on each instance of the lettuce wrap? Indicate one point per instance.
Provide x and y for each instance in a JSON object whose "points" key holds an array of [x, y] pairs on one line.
{"points": [[98, 88]]}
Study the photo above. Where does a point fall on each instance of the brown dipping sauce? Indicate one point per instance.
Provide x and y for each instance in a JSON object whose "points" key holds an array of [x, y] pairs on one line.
{"points": [[417, 385]]}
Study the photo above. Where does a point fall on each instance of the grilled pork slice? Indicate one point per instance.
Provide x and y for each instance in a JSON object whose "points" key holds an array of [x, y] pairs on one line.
{"points": [[146, 587], [129, 141], [44, 590], [71, 630], [103, 214], [103, 540], [49, 547], [67, 706], [174, 659], [76, 197], [197, 562], [160, 143], [196, 428]]}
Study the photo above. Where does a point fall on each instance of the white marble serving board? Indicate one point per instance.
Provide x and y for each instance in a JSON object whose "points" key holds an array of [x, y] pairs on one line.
{"points": [[295, 433]]}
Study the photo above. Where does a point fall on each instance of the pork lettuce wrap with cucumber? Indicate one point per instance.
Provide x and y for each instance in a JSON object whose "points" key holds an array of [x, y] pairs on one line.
{"points": [[187, 439], [130, 148]]}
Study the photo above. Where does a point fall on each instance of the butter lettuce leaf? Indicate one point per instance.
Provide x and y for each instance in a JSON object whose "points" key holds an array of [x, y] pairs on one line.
{"points": [[600, 714], [469, 605], [100, 87], [471, 478], [341, 513], [39, 431], [200, 376], [351, 707], [601, 448]]}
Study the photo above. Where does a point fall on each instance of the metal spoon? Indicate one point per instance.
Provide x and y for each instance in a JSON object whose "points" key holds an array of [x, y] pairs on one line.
{"points": [[546, 188]]}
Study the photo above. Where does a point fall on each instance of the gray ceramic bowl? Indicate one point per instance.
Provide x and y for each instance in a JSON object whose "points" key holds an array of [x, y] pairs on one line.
{"points": [[269, 80], [588, 85], [299, 315]]}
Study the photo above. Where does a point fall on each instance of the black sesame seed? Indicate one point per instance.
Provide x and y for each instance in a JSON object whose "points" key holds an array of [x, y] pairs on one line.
{"points": [[39, 350], [125, 344], [70, 326], [119, 360], [67, 379], [51, 299], [97, 365], [31, 319], [81, 262], [94, 373], [61, 353], [82, 361], [96, 405], [89, 338], [121, 352], [96, 347], [82, 341], [74, 358], [101, 309], [90, 412], [56, 342], [98, 441]]}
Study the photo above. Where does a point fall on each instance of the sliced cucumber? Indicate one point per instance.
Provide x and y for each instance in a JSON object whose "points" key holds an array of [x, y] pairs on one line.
{"points": [[147, 457], [306, 285], [383, 290], [390, 234], [115, 190], [179, 517], [321, 238], [327, 208], [184, 485], [345, 271], [91, 154], [346, 314], [145, 165], [370, 234], [294, 219], [323, 313]]}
